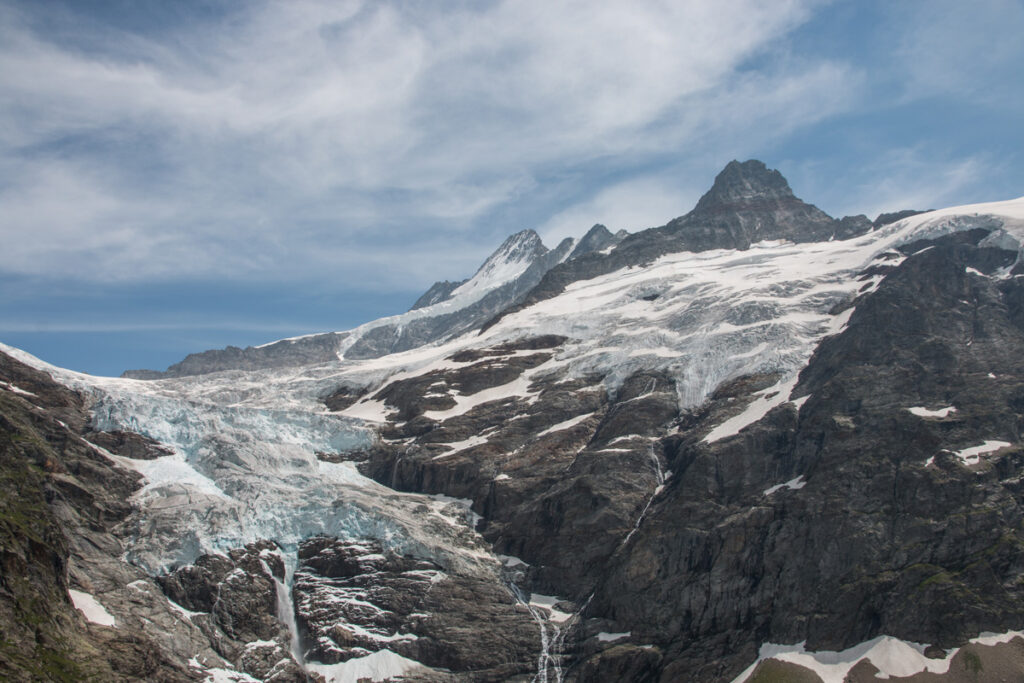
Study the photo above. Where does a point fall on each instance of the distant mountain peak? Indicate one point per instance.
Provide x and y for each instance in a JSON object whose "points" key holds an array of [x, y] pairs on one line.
{"points": [[525, 245], [596, 239], [740, 183], [508, 261]]}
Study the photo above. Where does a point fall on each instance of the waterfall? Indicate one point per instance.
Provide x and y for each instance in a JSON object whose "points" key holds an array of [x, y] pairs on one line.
{"points": [[285, 604], [547, 660], [661, 477]]}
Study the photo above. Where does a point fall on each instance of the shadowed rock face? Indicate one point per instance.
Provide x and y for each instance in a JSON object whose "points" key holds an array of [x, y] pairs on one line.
{"points": [[355, 596], [748, 203], [892, 533], [559, 476]]}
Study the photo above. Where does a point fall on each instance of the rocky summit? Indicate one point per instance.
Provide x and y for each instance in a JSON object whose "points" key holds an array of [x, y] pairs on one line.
{"points": [[755, 444]]}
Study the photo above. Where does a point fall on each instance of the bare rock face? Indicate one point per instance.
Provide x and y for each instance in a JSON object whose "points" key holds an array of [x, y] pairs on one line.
{"points": [[237, 590], [559, 478], [748, 203], [237, 600], [307, 350], [60, 500], [128, 444], [849, 516], [354, 597]]}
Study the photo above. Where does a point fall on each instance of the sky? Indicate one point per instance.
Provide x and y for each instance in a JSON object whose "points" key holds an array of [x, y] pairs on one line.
{"points": [[179, 176]]}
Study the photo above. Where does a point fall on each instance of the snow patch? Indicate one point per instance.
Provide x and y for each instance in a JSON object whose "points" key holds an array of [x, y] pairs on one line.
{"points": [[510, 561], [612, 637], [989, 638], [767, 399], [91, 608], [377, 666], [970, 456], [567, 424], [894, 658], [794, 484], [925, 412], [16, 390], [548, 602], [456, 446], [518, 387], [169, 471], [227, 676], [370, 410], [798, 403], [186, 613]]}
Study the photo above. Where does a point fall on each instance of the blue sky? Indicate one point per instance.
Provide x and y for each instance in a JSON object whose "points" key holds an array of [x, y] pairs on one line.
{"points": [[183, 176]]}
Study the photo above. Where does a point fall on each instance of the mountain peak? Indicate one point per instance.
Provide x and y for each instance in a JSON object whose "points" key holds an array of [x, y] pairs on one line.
{"points": [[524, 246], [740, 183], [517, 253], [596, 239], [750, 202]]}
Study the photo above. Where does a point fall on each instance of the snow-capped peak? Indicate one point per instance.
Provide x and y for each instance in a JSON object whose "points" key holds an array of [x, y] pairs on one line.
{"points": [[508, 262]]}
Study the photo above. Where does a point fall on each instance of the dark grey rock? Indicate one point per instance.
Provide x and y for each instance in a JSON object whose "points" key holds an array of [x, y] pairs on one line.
{"points": [[887, 218], [890, 534], [307, 350], [128, 444], [354, 597], [438, 292], [596, 239]]}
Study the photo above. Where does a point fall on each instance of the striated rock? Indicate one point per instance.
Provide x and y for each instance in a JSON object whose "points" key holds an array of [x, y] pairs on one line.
{"points": [[128, 444], [354, 597]]}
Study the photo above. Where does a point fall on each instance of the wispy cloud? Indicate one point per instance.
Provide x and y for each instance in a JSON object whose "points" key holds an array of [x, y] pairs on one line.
{"points": [[328, 141], [252, 145]]}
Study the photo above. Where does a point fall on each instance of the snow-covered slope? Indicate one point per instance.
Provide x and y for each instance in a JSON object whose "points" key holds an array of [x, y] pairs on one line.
{"points": [[711, 316], [511, 260]]}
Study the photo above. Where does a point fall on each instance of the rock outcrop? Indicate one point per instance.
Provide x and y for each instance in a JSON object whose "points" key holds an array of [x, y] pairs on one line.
{"points": [[852, 515]]}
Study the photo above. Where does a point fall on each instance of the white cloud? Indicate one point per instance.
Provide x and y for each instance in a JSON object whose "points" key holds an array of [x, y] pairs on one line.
{"points": [[632, 205], [259, 146]]}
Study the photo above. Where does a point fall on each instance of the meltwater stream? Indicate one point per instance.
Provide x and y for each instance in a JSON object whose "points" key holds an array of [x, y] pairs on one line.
{"points": [[285, 603]]}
